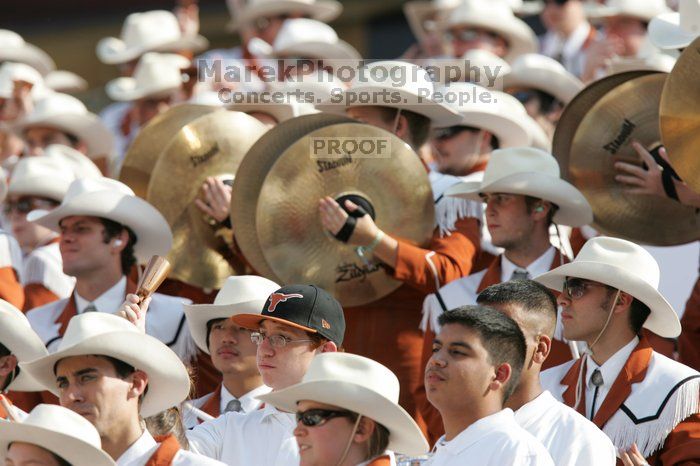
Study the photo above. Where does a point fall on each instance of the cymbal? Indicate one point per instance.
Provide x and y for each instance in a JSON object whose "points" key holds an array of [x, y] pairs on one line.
{"points": [[295, 244], [251, 175], [211, 145], [577, 109], [628, 112], [144, 150], [680, 121]]}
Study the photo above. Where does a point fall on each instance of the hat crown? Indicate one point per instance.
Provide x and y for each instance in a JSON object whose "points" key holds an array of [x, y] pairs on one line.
{"points": [[10, 39], [150, 29], [469, 11], [621, 253], [689, 11], [11, 72], [537, 61], [59, 419], [93, 324], [92, 185], [159, 68], [57, 104], [40, 172], [77, 162], [507, 162], [486, 101], [245, 288], [302, 30], [356, 370], [393, 75], [647, 9], [8, 311]]}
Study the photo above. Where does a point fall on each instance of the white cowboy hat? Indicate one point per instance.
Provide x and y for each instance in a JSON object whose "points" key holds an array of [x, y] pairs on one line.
{"points": [[11, 72], [360, 385], [66, 113], [644, 10], [321, 10], [477, 66], [408, 81], [676, 30], [65, 81], [656, 62], [155, 75], [487, 110], [16, 334], [150, 31], [102, 334], [113, 200], [529, 172], [423, 15], [304, 38], [244, 294], [498, 17], [535, 71], [318, 86], [625, 266], [280, 112], [526, 7], [50, 175], [59, 430], [14, 48]]}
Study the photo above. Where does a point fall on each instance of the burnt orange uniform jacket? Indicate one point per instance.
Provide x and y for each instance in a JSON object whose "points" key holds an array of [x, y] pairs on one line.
{"points": [[689, 340]]}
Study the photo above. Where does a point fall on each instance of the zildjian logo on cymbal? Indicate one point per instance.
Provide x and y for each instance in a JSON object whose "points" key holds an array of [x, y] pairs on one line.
{"points": [[200, 159], [348, 272], [622, 137]]}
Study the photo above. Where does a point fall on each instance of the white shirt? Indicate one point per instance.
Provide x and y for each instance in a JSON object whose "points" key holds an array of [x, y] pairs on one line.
{"points": [[463, 291], [609, 370], [249, 403], [569, 48], [109, 301], [571, 439], [496, 440], [142, 449], [260, 438], [10, 253]]}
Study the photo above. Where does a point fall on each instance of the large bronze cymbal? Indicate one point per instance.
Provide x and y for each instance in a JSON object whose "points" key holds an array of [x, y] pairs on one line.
{"points": [[291, 235], [149, 143], [680, 119], [628, 112], [577, 109], [251, 175], [212, 145]]}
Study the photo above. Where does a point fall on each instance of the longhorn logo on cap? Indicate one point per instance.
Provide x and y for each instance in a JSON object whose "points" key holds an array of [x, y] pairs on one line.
{"points": [[276, 298]]}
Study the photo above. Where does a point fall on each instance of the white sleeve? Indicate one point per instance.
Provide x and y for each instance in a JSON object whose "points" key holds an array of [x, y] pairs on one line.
{"points": [[208, 437], [10, 253]]}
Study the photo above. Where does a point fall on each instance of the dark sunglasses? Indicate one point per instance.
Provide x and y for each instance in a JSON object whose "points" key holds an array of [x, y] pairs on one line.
{"points": [[575, 288], [451, 131], [317, 417], [555, 2], [26, 204]]}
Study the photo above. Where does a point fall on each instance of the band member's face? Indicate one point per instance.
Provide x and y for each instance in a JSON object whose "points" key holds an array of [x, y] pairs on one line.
{"points": [[83, 248], [457, 154], [267, 28], [281, 367], [91, 387], [29, 235], [146, 109], [232, 351], [371, 115], [508, 220], [630, 31], [27, 454], [459, 373], [584, 317], [325, 443], [464, 39], [38, 138]]}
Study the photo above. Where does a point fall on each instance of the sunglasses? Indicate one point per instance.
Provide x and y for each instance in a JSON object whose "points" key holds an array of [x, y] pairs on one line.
{"points": [[556, 2], [451, 131], [26, 204], [470, 35], [575, 288], [318, 417]]}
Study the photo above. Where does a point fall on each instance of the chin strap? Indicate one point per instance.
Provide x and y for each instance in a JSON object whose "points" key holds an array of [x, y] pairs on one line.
{"points": [[349, 444]]}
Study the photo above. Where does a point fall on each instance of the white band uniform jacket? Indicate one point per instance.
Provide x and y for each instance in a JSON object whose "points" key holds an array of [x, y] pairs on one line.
{"points": [[141, 451]]}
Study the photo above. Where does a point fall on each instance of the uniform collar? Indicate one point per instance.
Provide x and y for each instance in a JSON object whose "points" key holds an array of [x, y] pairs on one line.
{"points": [[476, 431], [138, 449], [249, 401], [612, 367], [537, 267], [109, 301]]}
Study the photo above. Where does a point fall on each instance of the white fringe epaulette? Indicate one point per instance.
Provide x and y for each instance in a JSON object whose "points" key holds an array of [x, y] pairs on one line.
{"points": [[45, 267], [450, 209], [10, 253], [669, 394]]}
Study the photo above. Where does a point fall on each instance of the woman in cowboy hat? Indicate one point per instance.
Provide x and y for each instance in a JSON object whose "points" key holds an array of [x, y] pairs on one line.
{"points": [[348, 413], [52, 436]]}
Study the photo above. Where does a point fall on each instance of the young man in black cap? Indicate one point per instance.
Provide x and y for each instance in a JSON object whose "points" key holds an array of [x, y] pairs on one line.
{"points": [[296, 323]]}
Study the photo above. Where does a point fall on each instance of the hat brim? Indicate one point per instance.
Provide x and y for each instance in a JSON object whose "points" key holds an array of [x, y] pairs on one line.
{"points": [[598, 12], [26, 345], [252, 322], [665, 32], [340, 50], [52, 188], [168, 381], [30, 55], [281, 112], [88, 128], [573, 210], [113, 51], [520, 37], [562, 86], [71, 449], [199, 314], [65, 81], [508, 128], [440, 115], [152, 231], [404, 434], [663, 320], [323, 10], [126, 89]]}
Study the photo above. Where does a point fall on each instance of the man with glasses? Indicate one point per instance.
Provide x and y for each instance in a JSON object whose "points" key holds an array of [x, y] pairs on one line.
{"points": [[524, 195], [569, 34], [297, 322], [645, 402]]}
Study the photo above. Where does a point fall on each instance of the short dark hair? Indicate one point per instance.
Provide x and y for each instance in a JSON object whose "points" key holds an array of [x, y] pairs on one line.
{"points": [[113, 229], [59, 460], [534, 298], [5, 351], [210, 324], [639, 312], [499, 334], [531, 203], [418, 125]]}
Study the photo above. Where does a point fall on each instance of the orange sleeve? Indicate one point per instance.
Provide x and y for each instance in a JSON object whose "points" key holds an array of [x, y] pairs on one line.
{"points": [[689, 340], [429, 414], [36, 294], [682, 447], [453, 259], [10, 288]]}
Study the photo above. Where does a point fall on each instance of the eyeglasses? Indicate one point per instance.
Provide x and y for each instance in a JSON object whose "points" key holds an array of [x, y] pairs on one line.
{"points": [[575, 288], [26, 204], [276, 341], [318, 417], [470, 35]]}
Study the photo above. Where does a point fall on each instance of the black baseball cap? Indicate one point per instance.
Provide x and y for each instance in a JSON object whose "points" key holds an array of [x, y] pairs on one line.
{"points": [[306, 307]]}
